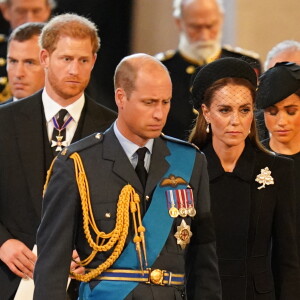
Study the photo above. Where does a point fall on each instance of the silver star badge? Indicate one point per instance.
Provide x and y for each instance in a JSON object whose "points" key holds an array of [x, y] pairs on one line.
{"points": [[183, 234]]}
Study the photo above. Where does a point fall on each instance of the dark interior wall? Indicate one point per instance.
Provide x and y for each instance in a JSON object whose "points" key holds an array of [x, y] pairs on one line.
{"points": [[113, 18]]}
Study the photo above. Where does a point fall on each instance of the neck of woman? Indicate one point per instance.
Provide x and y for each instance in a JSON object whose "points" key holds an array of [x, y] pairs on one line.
{"points": [[228, 155], [289, 148]]}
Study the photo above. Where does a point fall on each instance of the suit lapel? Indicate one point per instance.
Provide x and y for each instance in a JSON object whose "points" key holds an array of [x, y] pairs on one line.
{"points": [[28, 123], [90, 120]]}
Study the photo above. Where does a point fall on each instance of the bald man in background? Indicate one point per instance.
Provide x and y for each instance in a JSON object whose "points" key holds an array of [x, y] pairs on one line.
{"points": [[288, 50]]}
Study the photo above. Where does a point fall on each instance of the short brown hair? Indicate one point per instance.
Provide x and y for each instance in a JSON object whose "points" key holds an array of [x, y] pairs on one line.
{"points": [[26, 31], [70, 25], [127, 70]]}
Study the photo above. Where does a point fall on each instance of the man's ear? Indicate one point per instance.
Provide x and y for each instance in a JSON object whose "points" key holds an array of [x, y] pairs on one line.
{"points": [[44, 58], [120, 98], [5, 12], [94, 58], [178, 23]]}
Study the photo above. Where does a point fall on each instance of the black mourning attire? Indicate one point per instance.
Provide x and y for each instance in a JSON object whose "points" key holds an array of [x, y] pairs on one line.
{"points": [[254, 224]]}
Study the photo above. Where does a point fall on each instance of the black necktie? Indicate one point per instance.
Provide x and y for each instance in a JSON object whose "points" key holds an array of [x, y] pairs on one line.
{"points": [[140, 167], [60, 121]]}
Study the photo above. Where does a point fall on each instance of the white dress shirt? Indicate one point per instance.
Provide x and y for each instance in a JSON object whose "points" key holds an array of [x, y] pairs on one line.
{"points": [[51, 109], [130, 148]]}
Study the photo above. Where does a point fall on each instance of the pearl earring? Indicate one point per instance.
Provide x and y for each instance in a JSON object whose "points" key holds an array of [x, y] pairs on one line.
{"points": [[207, 128]]}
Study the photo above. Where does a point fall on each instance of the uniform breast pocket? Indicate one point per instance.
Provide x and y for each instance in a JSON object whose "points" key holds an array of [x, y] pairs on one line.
{"points": [[105, 216]]}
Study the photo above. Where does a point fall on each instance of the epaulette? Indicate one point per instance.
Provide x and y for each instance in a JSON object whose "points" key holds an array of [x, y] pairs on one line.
{"points": [[175, 140], [85, 143], [162, 56], [241, 51], [2, 38], [5, 94]]}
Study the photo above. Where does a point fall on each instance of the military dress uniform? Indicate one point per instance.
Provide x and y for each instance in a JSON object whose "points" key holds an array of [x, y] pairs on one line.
{"points": [[108, 170], [5, 92], [181, 116]]}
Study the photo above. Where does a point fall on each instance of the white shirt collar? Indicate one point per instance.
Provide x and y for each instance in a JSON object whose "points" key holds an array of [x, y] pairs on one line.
{"points": [[51, 107], [128, 146]]}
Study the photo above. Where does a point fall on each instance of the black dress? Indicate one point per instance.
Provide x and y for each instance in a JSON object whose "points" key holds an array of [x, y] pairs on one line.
{"points": [[247, 219], [296, 159]]}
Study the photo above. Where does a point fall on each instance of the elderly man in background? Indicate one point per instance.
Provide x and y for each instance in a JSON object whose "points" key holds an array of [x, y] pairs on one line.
{"points": [[200, 32], [288, 50]]}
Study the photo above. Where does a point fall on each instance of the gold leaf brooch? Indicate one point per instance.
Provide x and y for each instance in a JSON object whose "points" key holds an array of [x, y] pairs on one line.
{"points": [[264, 178]]}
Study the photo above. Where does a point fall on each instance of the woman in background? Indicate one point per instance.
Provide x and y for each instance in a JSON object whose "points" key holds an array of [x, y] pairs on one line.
{"points": [[278, 95], [252, 191]]}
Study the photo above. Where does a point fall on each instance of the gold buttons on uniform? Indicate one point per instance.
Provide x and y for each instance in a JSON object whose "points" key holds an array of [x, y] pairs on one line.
{"points": [[2, 61], [3, 80], [98, 136], [190, 69], [64, 151]]}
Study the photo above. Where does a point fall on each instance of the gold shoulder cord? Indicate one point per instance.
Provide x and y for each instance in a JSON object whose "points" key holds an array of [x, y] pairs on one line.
{"points": [[128, 199]]}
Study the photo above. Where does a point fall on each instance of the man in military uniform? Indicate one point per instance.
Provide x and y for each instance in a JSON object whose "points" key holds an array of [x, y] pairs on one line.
{"points": [[130, 169], [18, 12], [200, 24]]}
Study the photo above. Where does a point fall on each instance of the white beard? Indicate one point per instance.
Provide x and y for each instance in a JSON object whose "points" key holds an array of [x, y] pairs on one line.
{"points": [[201, 50]]}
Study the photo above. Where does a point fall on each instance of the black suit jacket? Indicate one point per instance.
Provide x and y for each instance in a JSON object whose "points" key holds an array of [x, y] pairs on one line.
{"points": [[108, 171], [24, 161]]}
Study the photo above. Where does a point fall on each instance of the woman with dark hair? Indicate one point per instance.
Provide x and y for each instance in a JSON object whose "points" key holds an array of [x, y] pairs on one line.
{"points": [[252, 191], [278, 95]]}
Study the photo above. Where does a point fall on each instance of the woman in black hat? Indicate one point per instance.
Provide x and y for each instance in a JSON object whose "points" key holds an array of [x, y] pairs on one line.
{"points": [[252, 192], [278, 95]]}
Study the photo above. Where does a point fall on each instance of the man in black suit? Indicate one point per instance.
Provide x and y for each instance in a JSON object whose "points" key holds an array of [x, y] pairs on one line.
{"points": [[200, 32], [155, 177], [16, 13], [25, 73], [31, 134]]}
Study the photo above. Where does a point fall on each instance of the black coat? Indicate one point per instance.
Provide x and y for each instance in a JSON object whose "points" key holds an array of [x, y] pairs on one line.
{"points": [[108, 171], [181, 116], [25, 157], [254, 226], [296, 175]]}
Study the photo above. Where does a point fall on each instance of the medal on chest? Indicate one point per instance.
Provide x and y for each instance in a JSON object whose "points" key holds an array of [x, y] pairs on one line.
{"points": [[180, 203], [59, 143], [183, 234]]}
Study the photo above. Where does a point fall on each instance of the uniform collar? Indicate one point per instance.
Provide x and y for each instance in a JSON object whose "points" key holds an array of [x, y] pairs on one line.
{"points": [[129, 147]]}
